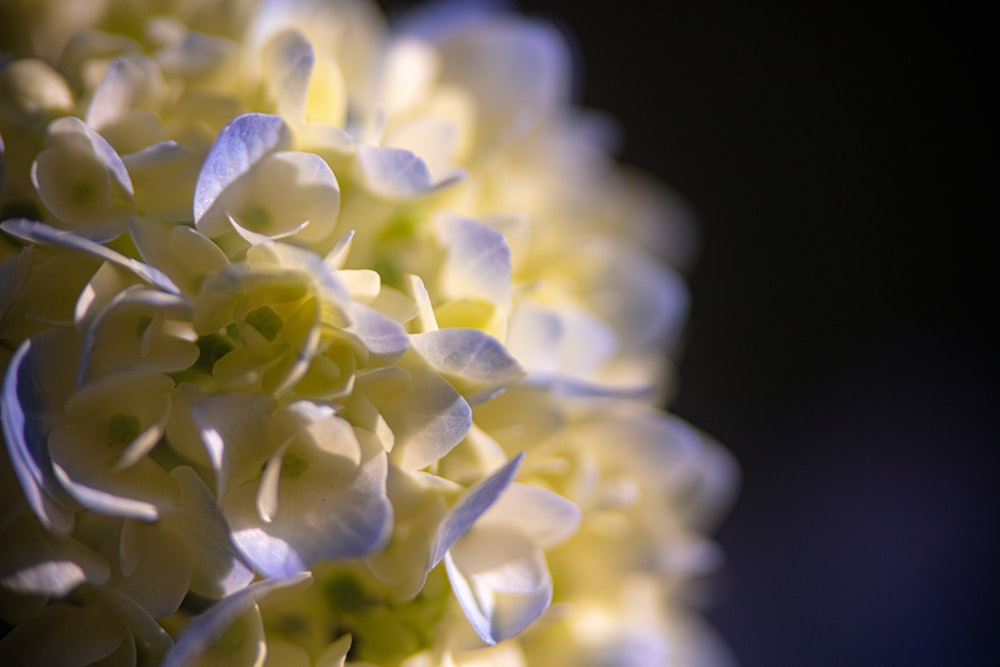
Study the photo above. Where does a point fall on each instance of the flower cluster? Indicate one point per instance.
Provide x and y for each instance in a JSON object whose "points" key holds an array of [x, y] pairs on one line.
{"points": [[326, 341]]}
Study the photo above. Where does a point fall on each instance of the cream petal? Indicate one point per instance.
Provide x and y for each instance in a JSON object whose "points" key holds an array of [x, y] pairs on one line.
{"points": [[207, 628], [322, 513], [468, 355], [25, 432], [38, 232], [476, 501], [36, 561], [543, 516], [501, 580], [395, 173], [428, 418], [478, 263], [241, 144]]}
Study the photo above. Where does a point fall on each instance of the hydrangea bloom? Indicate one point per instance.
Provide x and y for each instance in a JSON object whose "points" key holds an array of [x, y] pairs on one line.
{"points": [[331, 342]]}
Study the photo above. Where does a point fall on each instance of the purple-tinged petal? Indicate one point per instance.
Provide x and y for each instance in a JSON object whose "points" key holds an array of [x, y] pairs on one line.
{"points": [[470, 507], [218, 570], [382, 336], [396, 173], [26, 436], [38, 232], [289, 60], [501, 581], [428, 417], [542, 515], [469, 356], [35, 561], [241, 144], [230, 427], [478, 265], [319, 512], [204, 630]]}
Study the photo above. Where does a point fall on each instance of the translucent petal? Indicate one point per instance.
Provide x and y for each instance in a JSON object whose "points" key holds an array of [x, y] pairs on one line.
{"points": [[125, 335], [434, 139], [156, 569], [545, 517], [107, 154], [420, 502], [288, 60], [322, 513], [395, 173], [116, 93], [25, 434], [516, 70], [468, 355], [35, 561], [206, 629], [83, 181], [382, 336], [478, 263], [428, 418], [200, 525], [241, 144], [501, 581], [163, 176], [230, 427], [38, 232], [470, 507], [266, 208]]}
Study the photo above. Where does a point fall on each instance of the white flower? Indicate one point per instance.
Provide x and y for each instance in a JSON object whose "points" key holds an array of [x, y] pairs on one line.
{"points": [[330, 342]]}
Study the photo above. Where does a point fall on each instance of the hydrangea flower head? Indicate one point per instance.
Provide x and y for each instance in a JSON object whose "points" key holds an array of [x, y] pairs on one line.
{"points": [[327, 341]]}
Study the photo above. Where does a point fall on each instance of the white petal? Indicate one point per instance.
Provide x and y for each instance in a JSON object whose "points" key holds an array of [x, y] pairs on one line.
{"points": [[104, 502], [115, 94], [545, 517], [426, 321], [112, 161], [310, 214], [35, 561], [199, 524], [479, 260], [324, 514], [156, 568], [253, 238], [516, 70], [334, 260], [241, 144], [468, 355], [231, 427], [396, 173], [25, 435], [132, 350], [204, 630], [428, 418], [38, 232], [382, 336], [501, 581], [288, 64], [470, 507], [163, 176], [183, 253]]}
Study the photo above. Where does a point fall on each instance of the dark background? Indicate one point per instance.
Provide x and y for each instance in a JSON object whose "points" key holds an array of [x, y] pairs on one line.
{"points": [[838, 158]]}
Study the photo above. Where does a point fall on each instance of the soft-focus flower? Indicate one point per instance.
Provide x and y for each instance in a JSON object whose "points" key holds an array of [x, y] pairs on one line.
{"points": [[327, 342]]}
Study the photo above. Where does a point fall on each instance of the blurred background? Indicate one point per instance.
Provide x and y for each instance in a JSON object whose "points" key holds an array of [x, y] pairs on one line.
{"points": [[839, 159], [842, 166]]}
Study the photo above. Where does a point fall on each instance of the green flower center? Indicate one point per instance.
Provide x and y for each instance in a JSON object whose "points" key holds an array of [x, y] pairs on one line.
{"points": [[123, 429], [266, 321], [257, 219], [293, 466]]}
